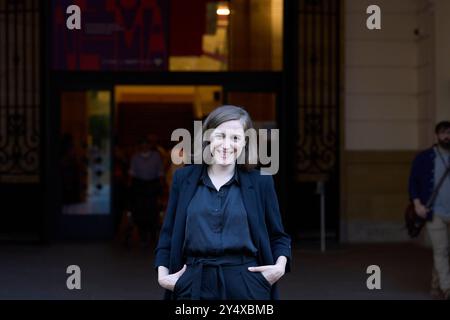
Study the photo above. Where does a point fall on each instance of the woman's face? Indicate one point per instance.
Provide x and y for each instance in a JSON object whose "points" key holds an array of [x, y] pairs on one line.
{"points": [[227, 142]]}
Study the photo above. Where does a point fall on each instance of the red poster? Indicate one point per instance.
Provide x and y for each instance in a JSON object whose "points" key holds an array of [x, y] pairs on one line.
{"points": [[114, 35]]}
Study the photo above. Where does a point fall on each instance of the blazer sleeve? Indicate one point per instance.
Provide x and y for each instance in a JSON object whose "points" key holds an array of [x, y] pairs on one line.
{"points": [[162, 251], [280, 241], [414, 179]]}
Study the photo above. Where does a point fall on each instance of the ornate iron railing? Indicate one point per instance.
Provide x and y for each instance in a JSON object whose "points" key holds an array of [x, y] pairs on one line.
{"points": [[19, 90], [319, 63]]}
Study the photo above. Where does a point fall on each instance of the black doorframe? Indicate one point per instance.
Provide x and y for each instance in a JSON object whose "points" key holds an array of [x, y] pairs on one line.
{"points": [[289, 116], [284, 83]]}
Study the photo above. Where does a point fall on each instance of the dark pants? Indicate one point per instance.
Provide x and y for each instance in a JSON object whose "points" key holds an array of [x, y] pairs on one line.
{"points": [[120, 203], [222, 278], [144, 209]]}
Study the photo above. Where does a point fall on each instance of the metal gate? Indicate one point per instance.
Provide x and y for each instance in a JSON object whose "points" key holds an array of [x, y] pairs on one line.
{"points": [[318, 114], [20, 120]]}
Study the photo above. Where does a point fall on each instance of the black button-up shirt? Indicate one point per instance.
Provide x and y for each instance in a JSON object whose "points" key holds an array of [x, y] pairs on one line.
{"points": [[216, 221]]}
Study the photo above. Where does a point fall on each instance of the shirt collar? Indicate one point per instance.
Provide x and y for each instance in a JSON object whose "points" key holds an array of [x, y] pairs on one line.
{"points": [[444, 153], [207, 181]]}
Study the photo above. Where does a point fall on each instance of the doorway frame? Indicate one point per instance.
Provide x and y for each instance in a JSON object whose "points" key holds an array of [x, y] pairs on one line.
{"points": [[284, 83]]}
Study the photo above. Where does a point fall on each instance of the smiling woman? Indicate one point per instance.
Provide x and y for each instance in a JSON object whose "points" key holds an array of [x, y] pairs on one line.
{"points": [[224, 138], [222, 236]]}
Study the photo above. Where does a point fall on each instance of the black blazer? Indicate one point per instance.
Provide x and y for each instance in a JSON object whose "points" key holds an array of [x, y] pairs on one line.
{"points": [[264, 220]]}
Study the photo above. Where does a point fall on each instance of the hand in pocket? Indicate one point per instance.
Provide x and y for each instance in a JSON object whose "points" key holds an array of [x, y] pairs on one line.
{"points": [[272, 273], [168, 282]]}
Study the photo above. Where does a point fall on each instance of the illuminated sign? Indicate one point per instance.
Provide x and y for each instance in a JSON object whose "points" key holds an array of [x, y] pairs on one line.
{"points": [[114, 35]]}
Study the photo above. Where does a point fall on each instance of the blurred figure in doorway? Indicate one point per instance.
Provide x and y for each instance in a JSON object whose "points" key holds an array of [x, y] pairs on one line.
{"points": [[146, 172]]}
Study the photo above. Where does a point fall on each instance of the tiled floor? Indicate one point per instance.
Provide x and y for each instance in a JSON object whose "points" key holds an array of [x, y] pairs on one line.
{"points": [[112, 272]]}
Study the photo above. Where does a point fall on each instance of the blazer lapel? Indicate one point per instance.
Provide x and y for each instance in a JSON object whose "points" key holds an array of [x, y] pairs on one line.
{"points": [[188, 187], [250, 202]]}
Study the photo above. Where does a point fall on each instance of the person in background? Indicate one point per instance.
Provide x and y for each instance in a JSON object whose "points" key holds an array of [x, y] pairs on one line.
{"points": [[427, 169], [146, 172], [178, 153], [72, 189], [120, 176]]}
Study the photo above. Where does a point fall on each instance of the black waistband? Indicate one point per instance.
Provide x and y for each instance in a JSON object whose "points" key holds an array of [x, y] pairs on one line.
{"points": [[227, 260], [198, 263]]}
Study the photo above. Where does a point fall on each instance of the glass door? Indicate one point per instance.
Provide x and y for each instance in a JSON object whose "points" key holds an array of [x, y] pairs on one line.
{"points": [[85, 163]]}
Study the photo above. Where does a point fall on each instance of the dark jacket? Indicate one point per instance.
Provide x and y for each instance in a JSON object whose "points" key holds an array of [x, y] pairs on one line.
{"points": [[421, 179], [261, 203]]}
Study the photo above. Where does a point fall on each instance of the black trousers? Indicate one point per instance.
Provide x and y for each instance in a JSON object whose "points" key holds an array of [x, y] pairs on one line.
{"points": [[222, 278], [144, 209]]}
